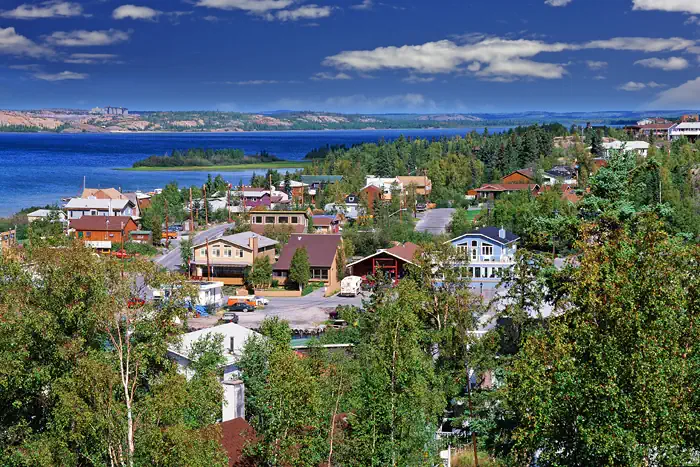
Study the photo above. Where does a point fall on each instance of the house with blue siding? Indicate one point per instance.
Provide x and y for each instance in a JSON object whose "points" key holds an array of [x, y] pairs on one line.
{"points": [[490, 250]]}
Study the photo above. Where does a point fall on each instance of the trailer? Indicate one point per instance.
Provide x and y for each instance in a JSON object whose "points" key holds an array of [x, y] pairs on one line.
{"points": [[350, 286]]}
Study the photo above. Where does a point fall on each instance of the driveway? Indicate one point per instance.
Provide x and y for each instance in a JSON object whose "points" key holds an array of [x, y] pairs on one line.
{"points": [[435, 221], [172, 260]]}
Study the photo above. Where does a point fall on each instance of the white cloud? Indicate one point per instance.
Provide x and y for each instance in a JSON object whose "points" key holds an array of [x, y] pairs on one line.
{"points": [[414, 79], [474, 66], [692, 20], [62, 76], [595, 65], [87, 38], [634, 86], [516, 67], [12, 43], [557, 2], [686, 95], [599, 77], [135, 12], [303, 12], [666, 64], [330, 76], [365, 5], [252, 6], [679, 6], [27, 67], [91, 59], [53, 9], [254, 82], [641, 44]]}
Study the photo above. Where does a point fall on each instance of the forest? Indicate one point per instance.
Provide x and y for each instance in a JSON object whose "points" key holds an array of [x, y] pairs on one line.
{"points": [[204, 158]]}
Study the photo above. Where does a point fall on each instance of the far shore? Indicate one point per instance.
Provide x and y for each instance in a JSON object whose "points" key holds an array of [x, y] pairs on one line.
{"points": [[257, 165]]}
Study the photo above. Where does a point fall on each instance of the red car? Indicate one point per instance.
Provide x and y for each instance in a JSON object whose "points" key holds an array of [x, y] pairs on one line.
{"points": [[121, 254]]}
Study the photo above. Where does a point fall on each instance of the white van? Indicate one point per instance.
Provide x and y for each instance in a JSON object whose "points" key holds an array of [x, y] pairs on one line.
{"points": [[350, 286]]}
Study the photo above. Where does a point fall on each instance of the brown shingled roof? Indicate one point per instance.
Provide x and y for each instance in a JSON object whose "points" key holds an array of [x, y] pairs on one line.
{"points": [[321, 249], [406, 251], [236, 434], [99, 223]]}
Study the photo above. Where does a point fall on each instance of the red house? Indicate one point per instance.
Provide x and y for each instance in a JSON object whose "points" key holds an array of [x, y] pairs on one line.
{"points": [[392, 261]]}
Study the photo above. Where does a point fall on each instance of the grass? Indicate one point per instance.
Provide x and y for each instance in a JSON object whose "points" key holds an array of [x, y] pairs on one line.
{"points": [[466, 459], [256, 165], [471, 215]]}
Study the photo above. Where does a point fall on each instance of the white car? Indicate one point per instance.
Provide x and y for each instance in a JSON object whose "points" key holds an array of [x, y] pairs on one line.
{"points": [[261, 301]]}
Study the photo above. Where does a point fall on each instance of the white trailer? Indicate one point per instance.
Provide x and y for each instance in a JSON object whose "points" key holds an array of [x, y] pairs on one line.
{"points": [[350, 286]]}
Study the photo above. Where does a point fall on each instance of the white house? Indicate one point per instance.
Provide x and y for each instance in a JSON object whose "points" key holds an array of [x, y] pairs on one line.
{"points": [[384, 184], [208, 293], [640, 147], [690, 130], [79, 207], [234, 338], [47, 214]]}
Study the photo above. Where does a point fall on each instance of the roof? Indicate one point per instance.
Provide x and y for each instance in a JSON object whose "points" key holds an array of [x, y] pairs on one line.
{"points": [[687, 126], [627, 145], [102, 193], [656, 126], [372, 188], [527, 173], [101, 223], [414, 180], [562, 171], [508, 187], [310, 179], [239, 333], [406, 252], [322, 219], [236, 434], [260, 228], [321, 249], [141, 232], [92, 203], [492, 233], [243, 240], [46, 213]]}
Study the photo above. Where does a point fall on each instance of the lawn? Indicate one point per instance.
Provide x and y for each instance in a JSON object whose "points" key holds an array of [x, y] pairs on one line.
{"points": [[256, 165]]}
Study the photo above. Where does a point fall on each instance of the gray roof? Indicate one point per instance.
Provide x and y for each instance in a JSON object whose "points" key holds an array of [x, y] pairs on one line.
{"points": [[46, 213], [92, 203], [493, 234], [243, 239]]}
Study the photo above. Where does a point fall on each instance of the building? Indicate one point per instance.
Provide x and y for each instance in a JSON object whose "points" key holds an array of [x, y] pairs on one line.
{"points": [[690, 130], [385, 185], [326, 224], [652, 121], [79, 207], [490, 250], [371, 194], [209, 293], [519, 177], [690, 118], [298, 221], [115, 111], [255, 197], [101, 193], [561, 174], [319, 182], [229, 256], [141, 236], [323, 259], [101, 232], [297, 189], [46, 214], [391, 261], [422, 184], [495, 190], [8, 239], [641, 148]]}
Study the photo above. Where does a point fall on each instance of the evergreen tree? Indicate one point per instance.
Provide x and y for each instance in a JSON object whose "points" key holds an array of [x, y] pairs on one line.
{"points": [[299, 269]]}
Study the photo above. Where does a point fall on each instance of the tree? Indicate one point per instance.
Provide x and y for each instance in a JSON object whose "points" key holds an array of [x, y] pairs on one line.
{"points": [[288, 184], [299, 269], [186, 252], [261, 274]]}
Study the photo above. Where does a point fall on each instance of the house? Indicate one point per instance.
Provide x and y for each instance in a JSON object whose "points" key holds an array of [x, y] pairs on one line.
{"points": [[652, 121], [495, 190], [8, 239], [319, 182], [561, 174], [323, 259], [297, 189], [102, 193], [690, 130], [371, 194], [298, 221], [234, 339], [326, 224], [46, 214], [254, 197], [140, 200], [229, 256], [386, 185], [209, 293], [79, 207], [490, 250], [141, 236], [519, 177], [391, 261], [101, 232], [422, 184], [350, 209], [639, 147]]}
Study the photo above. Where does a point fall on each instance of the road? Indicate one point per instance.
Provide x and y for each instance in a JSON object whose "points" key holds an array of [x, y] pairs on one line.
{"points": [[172, 260], [435, 221]]}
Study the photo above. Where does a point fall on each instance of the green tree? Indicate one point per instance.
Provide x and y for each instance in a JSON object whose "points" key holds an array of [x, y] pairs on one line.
{"points": [[299, 269], [261, 275], [186, 252]]}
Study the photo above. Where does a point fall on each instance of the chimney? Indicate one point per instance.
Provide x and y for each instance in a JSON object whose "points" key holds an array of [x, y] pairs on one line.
{"points": [[502, 233], [253, 242]]}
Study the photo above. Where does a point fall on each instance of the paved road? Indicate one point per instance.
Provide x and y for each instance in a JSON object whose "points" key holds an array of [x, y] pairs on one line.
{"points": [[435, 221], [172, 260]]}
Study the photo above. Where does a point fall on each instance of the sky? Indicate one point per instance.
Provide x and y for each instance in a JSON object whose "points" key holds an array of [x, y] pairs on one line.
{"points": [[353, 56]]}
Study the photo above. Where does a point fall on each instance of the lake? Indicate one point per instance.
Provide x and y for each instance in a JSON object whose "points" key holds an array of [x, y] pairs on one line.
{"points": [[41, 168]]}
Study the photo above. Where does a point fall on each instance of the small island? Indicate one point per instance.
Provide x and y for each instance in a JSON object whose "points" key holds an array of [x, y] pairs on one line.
{"points": [[207, 159]]}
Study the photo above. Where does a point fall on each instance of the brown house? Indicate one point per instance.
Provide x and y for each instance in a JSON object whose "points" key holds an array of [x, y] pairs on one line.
{"points": [[523, 176], [229, 256], [297, 220], [101, 232], [422, 183], [371, 193], [102, 193], [391, 262], [494, 190], [323, 259]]}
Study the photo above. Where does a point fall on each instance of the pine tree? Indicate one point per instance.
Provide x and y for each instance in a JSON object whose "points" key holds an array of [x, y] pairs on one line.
{"points": [[299, 268]]}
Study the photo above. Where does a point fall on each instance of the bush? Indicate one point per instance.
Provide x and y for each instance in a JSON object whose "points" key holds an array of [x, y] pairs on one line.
{"points": [[307, 290], [275, 283], [134, 248]]}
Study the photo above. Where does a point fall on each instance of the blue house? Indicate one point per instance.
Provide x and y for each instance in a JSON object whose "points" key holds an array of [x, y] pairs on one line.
{"points": [[490, 250]]}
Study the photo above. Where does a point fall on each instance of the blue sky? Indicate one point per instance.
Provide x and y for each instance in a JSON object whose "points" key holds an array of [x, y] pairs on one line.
{"points": [[368, 56]]}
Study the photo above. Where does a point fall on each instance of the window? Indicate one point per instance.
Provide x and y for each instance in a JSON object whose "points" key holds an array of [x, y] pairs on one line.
{"points": [[88, 234], [202, 252], [258, 220], [227, 252], [240, 253], [283, 220], [280, 273], [317, 273], [475, 249], [269, 220], [111, 235], [486, 249], [80, 235], [295, 219], [216, 252], [93, 213]]}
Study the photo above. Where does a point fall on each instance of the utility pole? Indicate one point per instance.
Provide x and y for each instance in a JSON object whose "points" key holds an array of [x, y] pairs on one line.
{"points": [[167, 234], [228, 202], [243, 197], [471, 416], [206, 207], [122, 250], [191, 214], [208, 267]]}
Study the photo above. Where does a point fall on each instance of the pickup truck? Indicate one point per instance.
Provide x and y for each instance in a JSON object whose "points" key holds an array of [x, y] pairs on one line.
{"points": [[170, 235]]}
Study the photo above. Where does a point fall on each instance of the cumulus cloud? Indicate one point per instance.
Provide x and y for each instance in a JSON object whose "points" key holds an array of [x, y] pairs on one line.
{"points": [[684, 96], [252, 6], [557, 2], [641, 44], [365, 5], [53, 9], [26, 67], [253, 82], [330, 76], [596, 65], [135, 12], [633, 86], [62, 76], [666, 64], [87, 38], [91, 59], [304, 12], [679, 6], [12, 43], [518, 67]]}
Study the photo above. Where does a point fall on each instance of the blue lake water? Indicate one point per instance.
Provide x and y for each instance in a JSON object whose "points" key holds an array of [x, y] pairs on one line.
{"points": [[40, 169]]}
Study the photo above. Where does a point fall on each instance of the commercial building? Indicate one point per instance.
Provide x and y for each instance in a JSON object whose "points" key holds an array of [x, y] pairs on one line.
{"points": [[297, 221]]}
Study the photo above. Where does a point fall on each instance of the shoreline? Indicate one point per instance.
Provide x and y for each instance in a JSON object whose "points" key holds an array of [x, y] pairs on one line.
{"points": [[258, 165]]}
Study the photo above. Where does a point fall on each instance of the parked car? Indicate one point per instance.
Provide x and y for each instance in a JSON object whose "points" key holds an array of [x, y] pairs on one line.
{"points": [[230, 317], [420, 207], [241, 307], [261, 301], [121, 254]]}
